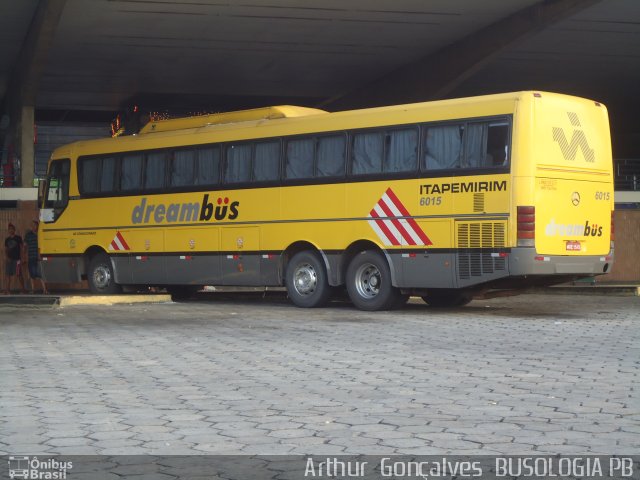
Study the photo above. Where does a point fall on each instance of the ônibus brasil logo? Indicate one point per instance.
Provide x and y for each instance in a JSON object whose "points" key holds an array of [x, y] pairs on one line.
{"points": [[393, 223]]}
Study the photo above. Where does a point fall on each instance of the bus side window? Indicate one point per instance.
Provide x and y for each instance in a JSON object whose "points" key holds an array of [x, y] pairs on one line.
{"points": [[89, 174], [367, 153], [299, 158], [182, 168], [266, 161], [442, 147], [486, 144], [330, 156], [208, 166], [498, 143], [238, 163], [131, 172], [107, 178], [401, 151], [476, 146], [154, 172]]}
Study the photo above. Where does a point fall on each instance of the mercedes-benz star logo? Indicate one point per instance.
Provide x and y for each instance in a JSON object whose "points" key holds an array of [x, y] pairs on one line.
{"points": [[575, 199]]}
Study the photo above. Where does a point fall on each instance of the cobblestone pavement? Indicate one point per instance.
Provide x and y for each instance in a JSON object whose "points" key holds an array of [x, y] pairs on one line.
{"points": [[545, 374]]}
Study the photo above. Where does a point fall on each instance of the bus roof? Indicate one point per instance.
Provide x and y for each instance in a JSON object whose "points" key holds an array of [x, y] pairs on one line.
{"points": [[236, 124], [255, 114]]}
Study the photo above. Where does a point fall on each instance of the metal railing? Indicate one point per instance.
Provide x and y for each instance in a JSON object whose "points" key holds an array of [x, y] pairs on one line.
{"points": [[627, 174]]}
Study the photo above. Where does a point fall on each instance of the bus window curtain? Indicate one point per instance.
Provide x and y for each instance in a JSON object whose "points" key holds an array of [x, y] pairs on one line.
{"points": [[401, 151], [154, 170], [367, 153], [266, 163], [108, 174], [330, 156], [131, 172], [238, 164], [443, 146], [300, 159], [208, 172], [182, 168], [90, 174], [476, 146]]}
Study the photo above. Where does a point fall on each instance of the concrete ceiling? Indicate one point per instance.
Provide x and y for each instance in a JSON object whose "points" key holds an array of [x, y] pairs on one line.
{"points": [[105, 54]]}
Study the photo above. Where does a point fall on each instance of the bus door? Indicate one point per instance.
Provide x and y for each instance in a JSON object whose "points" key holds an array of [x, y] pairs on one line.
{"points": [[240, 259], [57, 264]]}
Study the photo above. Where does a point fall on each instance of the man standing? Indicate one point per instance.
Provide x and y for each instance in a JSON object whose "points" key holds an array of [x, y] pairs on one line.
{"points": [[12, 254], [33, 257]]}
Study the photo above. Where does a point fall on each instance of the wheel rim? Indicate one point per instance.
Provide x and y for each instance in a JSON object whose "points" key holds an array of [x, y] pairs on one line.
{"points": [[305, 279], [102, 276], [368, 280]]}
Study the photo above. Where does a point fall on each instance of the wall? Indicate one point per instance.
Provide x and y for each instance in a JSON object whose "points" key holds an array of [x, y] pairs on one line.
{"points": [[626, 267]]}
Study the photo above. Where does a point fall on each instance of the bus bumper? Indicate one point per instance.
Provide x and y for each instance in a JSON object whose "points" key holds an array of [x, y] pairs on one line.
{"points": [[525, 261]]}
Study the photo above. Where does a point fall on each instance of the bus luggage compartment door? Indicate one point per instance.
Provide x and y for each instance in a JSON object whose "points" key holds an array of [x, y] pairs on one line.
{"points": [[240, 247]]}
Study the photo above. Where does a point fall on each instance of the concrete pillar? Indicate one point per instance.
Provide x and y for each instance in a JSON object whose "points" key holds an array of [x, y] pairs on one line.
{"points": [[25, 151], [22, 92]]}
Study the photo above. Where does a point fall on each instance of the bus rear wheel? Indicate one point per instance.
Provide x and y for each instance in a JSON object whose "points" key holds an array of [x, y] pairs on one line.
{"points": [[101, 276], [447, 299], [306, 280], [369, 283]]}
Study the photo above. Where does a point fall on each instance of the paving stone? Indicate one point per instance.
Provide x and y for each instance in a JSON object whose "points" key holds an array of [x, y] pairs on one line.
{"points": [[401, 443], [117, 443], [263, 377], [111, 435], [291, 433], [30, 449], [68, 442]]}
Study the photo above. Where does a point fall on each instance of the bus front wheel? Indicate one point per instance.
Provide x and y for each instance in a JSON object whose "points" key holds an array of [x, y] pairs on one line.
{"points": [[369, 283], [306, 280], [101, 275]]}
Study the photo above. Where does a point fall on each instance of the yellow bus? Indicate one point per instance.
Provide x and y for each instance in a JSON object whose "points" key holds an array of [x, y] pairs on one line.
{"points": [[443, 200]]}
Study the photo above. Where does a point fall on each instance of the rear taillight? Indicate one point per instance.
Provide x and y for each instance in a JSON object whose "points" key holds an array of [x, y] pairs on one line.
{"points": [[526, 226]]}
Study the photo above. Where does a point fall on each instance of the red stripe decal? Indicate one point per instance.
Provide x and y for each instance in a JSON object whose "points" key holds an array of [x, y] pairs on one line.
{"points": [[412, 222], [396, 223], [384, 228], [396, 201], [122, 241]]}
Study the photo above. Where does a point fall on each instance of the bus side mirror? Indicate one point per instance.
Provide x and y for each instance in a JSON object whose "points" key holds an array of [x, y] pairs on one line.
{"points": [[42, 188]]}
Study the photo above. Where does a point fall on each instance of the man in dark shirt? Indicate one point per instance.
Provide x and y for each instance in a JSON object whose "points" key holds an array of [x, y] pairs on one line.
{"points": [[12, 255], [33, 256]]}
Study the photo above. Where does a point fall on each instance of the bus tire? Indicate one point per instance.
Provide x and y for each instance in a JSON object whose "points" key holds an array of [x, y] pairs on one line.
{"points": [[369, 283], [101, 277], [447, 299], [306, 280]]}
